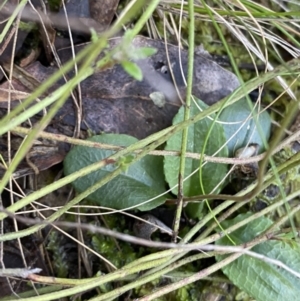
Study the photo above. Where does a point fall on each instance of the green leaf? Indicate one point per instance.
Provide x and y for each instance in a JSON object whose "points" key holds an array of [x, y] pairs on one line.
{"points": [[94, 35], [212, 173], [245, 132], [138, 182], [259, 279], [142, 53], [133, 70]]}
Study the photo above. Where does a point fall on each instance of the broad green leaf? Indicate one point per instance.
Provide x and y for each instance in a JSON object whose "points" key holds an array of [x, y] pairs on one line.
{"points": [[259, 279], [212, 173], [245, 132], [139, 182], [133, 70]]}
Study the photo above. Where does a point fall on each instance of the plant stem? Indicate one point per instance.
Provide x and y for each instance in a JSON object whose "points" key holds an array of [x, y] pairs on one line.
{"points": [[187, 109]]}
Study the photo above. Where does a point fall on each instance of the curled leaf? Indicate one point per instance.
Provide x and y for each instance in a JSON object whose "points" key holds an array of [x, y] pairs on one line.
{"points": [[245, 125]]}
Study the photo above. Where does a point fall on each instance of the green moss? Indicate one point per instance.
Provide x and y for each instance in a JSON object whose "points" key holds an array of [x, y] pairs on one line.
{"points": [[59, 255]]}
